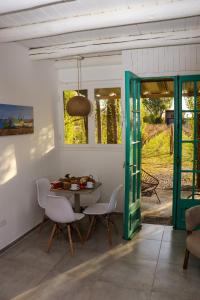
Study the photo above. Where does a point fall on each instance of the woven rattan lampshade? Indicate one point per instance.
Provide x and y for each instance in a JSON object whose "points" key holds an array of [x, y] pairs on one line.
{"points": [[78, 106]]}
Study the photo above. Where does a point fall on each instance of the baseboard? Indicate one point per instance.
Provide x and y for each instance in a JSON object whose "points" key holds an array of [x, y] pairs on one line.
{"points": [[19, 239]]}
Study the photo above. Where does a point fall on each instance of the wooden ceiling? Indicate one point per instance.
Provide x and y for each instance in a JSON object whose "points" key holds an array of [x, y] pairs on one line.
{"points": [[54, 29]]}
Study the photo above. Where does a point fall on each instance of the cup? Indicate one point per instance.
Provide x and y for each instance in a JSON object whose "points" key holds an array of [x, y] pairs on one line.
{"points": [[90, 184], [74, 186]]}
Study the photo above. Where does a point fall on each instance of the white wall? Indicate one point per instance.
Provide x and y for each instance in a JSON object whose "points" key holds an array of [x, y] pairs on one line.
{"points": [[106, 161], [23, 158], [163, 61]]}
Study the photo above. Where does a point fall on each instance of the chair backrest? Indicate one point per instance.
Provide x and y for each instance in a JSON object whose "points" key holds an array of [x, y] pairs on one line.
{"points": [[43, 189], [113, 199], [59, 209]]}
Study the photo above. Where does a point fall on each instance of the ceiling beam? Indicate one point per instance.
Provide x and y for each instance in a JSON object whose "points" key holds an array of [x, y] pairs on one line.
{"points": [[11, 6], [116, 44], [153, 10]]}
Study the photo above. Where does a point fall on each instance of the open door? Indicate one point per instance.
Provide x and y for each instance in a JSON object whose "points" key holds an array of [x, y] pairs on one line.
{"points": [[132, 214], [187, 177]]}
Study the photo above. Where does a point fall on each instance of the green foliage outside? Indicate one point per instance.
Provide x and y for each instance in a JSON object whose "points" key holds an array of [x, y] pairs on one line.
{"points": [[75, 128], [110, 122], [156, 158], [155, 108]]}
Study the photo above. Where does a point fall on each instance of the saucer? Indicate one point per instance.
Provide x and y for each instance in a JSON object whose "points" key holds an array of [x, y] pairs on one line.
{"points": [[74, 189]]}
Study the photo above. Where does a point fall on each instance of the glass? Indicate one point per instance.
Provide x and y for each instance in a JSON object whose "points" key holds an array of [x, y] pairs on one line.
{"points": [[197, 186], [75, 128], [187, 126], [188, 95], [186, 185], [187, 156], [108, 116]]}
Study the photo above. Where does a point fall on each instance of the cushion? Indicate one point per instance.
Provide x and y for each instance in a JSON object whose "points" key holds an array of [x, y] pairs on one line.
{"points": [[193, 243]]}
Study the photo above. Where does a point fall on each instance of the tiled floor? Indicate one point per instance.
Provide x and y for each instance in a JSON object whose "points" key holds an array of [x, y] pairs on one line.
{"points": [[148, 267]]}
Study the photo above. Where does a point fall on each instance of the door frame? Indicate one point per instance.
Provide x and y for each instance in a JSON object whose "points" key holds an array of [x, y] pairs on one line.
{"points": [[132, 215], [175, 80]]}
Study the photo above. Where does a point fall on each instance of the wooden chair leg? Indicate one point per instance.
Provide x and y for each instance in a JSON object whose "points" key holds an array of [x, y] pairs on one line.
{"points": [[109, 230], [51, 237], [186, 259], [90, 227], [115, 226], [79, 233], [70, 239]]}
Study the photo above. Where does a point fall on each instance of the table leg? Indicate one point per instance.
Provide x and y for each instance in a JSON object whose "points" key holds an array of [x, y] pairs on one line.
{"points": [[77, 207]]}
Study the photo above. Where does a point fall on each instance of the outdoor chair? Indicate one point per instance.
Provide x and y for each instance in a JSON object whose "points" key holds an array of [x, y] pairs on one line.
{"points": [[149, 184]]}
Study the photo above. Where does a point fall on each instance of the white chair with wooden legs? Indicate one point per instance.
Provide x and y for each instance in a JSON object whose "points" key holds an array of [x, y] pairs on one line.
{"points": [[192, 219], [59, 210], [43, 190], [104, 210]]}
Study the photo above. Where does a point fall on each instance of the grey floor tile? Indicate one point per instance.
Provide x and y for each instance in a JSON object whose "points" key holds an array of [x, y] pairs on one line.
{"points": [[173, 278], [17, 277], [127, 275], [172, 296], [108, 291], [59, 288], [130, 269], [174, 236], [143, 249], [151, 232], [172, 253]]}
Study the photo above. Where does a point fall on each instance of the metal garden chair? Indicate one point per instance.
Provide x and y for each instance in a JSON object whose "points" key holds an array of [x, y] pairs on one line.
{"points": [[149, 184]]}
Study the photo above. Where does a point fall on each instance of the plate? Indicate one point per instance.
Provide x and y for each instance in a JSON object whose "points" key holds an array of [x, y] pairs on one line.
{"points": [[74, 190]]}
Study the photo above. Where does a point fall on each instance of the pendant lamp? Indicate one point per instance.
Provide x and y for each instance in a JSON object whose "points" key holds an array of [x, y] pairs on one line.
{"points": [[78, 105]]}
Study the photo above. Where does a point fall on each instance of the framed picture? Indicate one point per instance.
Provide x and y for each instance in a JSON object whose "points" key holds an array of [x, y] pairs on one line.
{"points": [[16, 119]]}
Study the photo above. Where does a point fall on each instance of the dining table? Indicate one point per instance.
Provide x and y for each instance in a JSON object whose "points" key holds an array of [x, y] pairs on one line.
{"points": [[77, 194]]}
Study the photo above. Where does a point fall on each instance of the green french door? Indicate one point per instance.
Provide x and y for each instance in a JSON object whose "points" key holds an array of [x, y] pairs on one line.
{"points": [[132, 216], [187, 171]]}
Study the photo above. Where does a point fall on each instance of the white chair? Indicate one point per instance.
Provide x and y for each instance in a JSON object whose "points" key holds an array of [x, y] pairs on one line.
{"points": [[43, 190], [89, 199], [103, 210], [59, 210]]}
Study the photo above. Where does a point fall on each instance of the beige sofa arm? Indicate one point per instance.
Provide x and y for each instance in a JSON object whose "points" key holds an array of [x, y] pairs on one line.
{"points": [[192, 217]]}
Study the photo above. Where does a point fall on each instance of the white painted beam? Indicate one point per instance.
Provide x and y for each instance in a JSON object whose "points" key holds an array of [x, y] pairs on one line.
{"points": [[10, 6], [117, 44], [153, 10]]}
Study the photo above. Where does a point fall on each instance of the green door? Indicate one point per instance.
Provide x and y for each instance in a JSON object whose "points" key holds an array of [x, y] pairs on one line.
{"points": [[132, 216], [187, 177]]}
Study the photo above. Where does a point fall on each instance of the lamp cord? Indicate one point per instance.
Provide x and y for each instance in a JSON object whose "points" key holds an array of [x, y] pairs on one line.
{"points": [[79, 73]]}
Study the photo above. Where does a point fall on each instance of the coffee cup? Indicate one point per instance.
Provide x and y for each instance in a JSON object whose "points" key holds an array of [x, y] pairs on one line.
{"points": [[74, 186], [90, 184]]}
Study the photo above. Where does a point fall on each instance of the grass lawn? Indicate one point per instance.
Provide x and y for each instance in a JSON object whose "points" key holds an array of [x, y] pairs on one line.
{"points": [[156, 158]]}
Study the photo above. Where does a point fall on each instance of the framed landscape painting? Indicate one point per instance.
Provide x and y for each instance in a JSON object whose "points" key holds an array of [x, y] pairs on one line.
{"points": [[16, 119]]}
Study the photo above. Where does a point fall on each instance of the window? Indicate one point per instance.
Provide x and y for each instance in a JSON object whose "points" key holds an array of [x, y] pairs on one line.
{"points": [[108, 116], [75, 128]]}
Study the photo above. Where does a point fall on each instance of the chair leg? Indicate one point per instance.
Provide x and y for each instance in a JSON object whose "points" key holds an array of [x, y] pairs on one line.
{"points": [[79, 233], [115, 226], [157, 197], [109, 230], [186, 259], [70, 239], [90, 227], [51, 237]]}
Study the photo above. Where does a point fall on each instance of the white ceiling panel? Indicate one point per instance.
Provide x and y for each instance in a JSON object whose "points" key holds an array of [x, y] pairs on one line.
{"points": [[154, 27]]}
